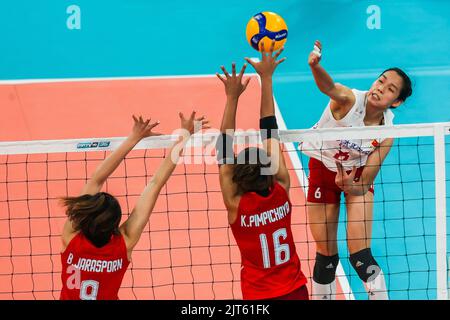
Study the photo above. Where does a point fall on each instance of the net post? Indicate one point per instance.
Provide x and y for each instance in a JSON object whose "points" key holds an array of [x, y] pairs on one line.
{"points": [[441, 215]]}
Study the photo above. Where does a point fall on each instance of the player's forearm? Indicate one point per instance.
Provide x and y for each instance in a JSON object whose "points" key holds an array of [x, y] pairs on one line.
{"points": [[372, 168], [159, 179], [323, 80], [229, 114], [113, 160], [358, 188], [170, 162], [146, 203], [267, 103]]}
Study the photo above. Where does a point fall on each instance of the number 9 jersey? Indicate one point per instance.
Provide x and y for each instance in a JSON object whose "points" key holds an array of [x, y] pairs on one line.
{"points": [[91, 273], [270, 264]]}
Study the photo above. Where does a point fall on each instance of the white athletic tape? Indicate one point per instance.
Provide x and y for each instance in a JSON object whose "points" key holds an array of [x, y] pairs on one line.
{"points": [[317, 51]]}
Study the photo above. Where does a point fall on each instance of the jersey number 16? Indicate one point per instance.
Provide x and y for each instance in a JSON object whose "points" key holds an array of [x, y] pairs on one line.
{"points": [[278, 248]]}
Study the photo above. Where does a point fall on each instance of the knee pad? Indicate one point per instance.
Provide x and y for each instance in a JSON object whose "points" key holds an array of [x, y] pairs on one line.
{"points": [[365, 265], [325, 268]]}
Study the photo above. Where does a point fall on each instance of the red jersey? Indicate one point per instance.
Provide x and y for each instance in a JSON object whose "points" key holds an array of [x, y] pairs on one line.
{"points": [[91, 273], [270, 264]]}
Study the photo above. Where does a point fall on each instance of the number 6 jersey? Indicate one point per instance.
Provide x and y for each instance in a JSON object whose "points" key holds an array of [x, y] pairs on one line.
{"points": [[91, 273], [270, 264]]}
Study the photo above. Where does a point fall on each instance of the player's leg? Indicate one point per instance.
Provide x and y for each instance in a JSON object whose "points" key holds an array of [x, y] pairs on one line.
{"points": [[359, 235], [323, 223], [323, 215]]}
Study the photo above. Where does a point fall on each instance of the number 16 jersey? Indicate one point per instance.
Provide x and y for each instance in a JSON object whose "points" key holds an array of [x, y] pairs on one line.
{"points": [[270, 264]]}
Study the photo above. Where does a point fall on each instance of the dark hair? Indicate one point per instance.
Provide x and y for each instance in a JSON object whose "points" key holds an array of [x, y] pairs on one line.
{"points": [[406, 90], [247, 171], [97, 216]]}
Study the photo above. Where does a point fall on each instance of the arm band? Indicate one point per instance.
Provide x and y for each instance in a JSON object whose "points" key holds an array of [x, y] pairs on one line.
{"points": [[269, 128], [224, 147]]}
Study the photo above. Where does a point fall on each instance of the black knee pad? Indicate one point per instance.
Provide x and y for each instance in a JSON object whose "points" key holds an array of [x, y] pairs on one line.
{"points": [[365, 265], [325, 268]]}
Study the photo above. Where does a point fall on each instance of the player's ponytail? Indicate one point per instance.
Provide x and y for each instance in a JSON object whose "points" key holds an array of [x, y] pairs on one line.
{"points": [[97, 216]]}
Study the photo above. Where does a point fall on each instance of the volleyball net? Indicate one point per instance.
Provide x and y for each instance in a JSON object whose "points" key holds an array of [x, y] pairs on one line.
{"points": [[187, 250]]}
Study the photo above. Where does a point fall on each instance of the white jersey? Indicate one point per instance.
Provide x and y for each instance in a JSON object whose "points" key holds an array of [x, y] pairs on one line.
{"points": [[349, 152]]}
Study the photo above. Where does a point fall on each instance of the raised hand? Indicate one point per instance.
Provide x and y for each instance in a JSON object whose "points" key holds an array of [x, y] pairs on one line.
{"points": [[143, 129], [234, 86], [316, 54], [266, 67], [191, 124]]}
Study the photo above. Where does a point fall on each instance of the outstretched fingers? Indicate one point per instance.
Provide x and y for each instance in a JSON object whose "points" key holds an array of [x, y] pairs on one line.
{"points": [[280, 61], [233, 69], [241, 73], [250, 61], [192, 117], [140, 121], [278, 53], [204, 122], [220, 77], [272, 47], [225, 72], [152, 125]]}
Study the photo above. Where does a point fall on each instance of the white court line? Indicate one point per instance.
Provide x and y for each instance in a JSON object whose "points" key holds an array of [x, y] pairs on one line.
{"points": [[439, 71], [56, 80], [286, 77], [340, 274]]}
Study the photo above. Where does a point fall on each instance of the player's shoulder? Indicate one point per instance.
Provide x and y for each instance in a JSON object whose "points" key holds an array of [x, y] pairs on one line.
{"points": [[344, 91], [69, 239], [359, 94], [343, 101]]}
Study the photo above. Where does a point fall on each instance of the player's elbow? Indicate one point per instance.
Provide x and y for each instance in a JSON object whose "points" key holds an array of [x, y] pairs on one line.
{"points": [[327, 89], [284, 180]]}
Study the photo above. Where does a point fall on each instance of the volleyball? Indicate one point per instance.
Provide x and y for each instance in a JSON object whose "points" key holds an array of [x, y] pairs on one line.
{"points": [[265, 27]]}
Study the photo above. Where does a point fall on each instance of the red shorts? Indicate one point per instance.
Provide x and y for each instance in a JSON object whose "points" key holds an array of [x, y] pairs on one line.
{"points": [[322, 188], [298, 294]]}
